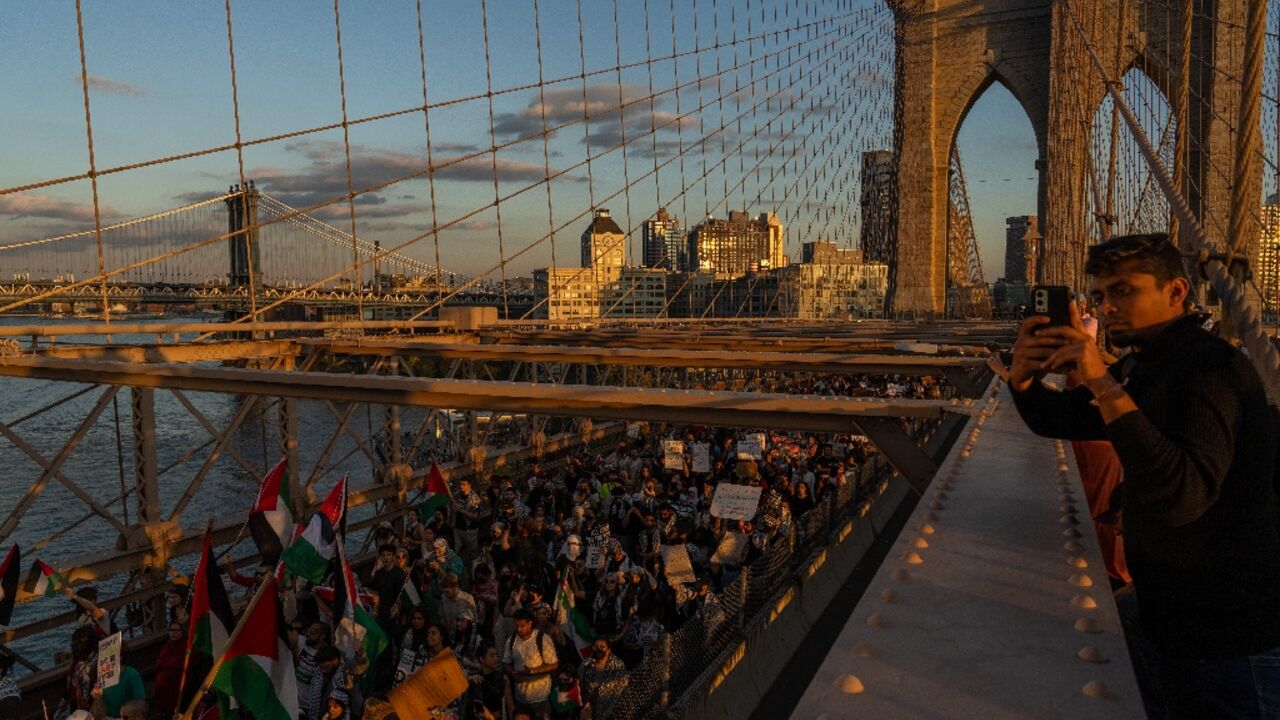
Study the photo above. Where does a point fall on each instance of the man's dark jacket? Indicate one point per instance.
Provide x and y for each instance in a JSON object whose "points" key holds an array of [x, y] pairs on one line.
{"points": [[1201, 514]]}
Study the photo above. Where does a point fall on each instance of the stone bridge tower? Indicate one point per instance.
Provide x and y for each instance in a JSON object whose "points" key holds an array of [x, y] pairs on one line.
{"points": [[950, 51]]}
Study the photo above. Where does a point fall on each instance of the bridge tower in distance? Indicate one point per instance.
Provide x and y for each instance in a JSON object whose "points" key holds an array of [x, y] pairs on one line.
{"points": [[242, 228]]}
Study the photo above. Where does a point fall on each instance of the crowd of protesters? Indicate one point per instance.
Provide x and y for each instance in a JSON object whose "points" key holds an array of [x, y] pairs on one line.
{"points": [[548, 584]]}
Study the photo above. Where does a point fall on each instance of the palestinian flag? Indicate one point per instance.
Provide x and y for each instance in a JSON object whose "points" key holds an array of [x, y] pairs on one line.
{"points": [[257, 669], [566, 700], [211, 615], [9, 583], [310, 555], [271, 519], [409, 596], [573, 622], [437, 495], [354, 629], [44, 580]]}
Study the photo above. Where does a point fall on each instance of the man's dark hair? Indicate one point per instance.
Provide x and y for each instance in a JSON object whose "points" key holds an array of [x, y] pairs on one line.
{"points": [[1151, 253], [327, 653], [523, 614]]}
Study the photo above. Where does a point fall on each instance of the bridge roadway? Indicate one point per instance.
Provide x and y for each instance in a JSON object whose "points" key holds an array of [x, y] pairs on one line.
{"points": [[988, 605]]}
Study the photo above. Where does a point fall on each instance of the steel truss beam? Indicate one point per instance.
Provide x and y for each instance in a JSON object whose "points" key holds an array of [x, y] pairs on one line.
{"points": [[614, 356], [730, 409]]}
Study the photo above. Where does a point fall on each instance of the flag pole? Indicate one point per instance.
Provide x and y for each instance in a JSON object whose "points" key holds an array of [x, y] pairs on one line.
{"points": [[235, 634], [186, 656]]}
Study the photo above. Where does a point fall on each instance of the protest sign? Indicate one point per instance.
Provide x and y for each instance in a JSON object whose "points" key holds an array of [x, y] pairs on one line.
{"points": [[673, 454], [731, 549], [436, 684], [675, 561], [750, 446], [735, 502], [633, 431], [596, 542], [109, 661], [701, 457]]}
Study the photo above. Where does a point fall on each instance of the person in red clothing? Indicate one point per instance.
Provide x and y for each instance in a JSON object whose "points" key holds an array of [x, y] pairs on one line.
{"points": [[1101, 474], [169, 667]]}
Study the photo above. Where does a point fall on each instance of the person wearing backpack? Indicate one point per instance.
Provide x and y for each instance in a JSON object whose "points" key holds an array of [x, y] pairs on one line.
{"points": [[530, 661]]}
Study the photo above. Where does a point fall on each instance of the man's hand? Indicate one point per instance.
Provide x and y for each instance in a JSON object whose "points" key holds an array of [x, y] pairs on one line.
{"points": [[1029, 353], [1078, 355]]}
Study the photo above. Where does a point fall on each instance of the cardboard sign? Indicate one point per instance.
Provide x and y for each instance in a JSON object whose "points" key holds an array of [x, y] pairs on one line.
{"points": [[673, 454], [731, 549], [701, 457], [735, 502], [677, 565], [633, 431], [109, 661], [751, 447], [434, 685]]}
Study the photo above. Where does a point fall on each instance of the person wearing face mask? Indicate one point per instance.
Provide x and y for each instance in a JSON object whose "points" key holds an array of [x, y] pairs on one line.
{"points": [[602, 680]]}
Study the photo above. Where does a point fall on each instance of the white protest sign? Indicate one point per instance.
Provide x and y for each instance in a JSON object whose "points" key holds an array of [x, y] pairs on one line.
{"points": [[633, 431], [679, 569], [673, 454], [109, 661], [701, 457], [735, 502], [731, 549], [750, 446]]}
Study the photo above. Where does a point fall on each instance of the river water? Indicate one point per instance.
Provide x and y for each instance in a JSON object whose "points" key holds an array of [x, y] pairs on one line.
{"points": [[102, 464]]}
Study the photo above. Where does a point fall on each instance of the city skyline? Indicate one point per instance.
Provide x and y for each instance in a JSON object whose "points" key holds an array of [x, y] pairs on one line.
{"points": [[145, 109]]}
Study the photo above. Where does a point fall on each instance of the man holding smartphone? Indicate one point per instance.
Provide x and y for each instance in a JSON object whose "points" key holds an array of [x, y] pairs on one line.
{"points": [[1188, 417]]}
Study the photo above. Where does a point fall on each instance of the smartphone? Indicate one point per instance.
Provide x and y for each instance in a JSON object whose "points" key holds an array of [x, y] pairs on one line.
{"points": [[1053, 301]]}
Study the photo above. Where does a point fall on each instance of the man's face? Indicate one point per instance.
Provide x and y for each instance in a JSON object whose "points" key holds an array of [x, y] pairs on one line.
{"points": [[386, 556], [524, 628], [1132, 306], [450, 592], [315, 635]]}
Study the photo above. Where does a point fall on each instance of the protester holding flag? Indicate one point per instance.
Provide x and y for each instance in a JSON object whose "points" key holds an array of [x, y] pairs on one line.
{"points": [[169, 667]]}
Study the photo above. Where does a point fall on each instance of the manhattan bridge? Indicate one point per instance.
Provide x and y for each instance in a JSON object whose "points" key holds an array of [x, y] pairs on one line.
{"points": [[318, 250]]}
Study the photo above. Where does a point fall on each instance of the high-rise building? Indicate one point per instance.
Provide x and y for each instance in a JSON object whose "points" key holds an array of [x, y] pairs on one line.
{"points": [[737, 246], [1021, 237], [664, 242], [602, 287], [878, 202], [1267, 265]]}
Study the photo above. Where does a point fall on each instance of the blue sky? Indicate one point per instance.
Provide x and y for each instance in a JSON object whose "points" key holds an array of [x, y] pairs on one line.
{"points": [[160, 85]]}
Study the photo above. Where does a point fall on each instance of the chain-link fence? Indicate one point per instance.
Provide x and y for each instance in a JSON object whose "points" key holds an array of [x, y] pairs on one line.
{"points": [[690, 659]]}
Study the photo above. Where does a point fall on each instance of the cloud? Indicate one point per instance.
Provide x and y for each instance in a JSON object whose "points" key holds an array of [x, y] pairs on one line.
{"points": [[612, 110], [107, 86], [476, 225], [34, 205]]}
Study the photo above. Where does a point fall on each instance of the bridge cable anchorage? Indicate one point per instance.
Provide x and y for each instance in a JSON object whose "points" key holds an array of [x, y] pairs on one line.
{"points": [[1247, 321]]}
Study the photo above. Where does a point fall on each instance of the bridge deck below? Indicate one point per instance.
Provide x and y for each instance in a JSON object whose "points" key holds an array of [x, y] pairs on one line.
{"points": [[977, 611]]}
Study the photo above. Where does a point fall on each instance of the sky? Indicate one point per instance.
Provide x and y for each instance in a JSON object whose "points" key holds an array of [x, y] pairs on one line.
{"points": [[784, 132]]}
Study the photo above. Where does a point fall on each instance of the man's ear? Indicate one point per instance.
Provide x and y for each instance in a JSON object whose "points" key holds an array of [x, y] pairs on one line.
{"points": [[1179, 291]]}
